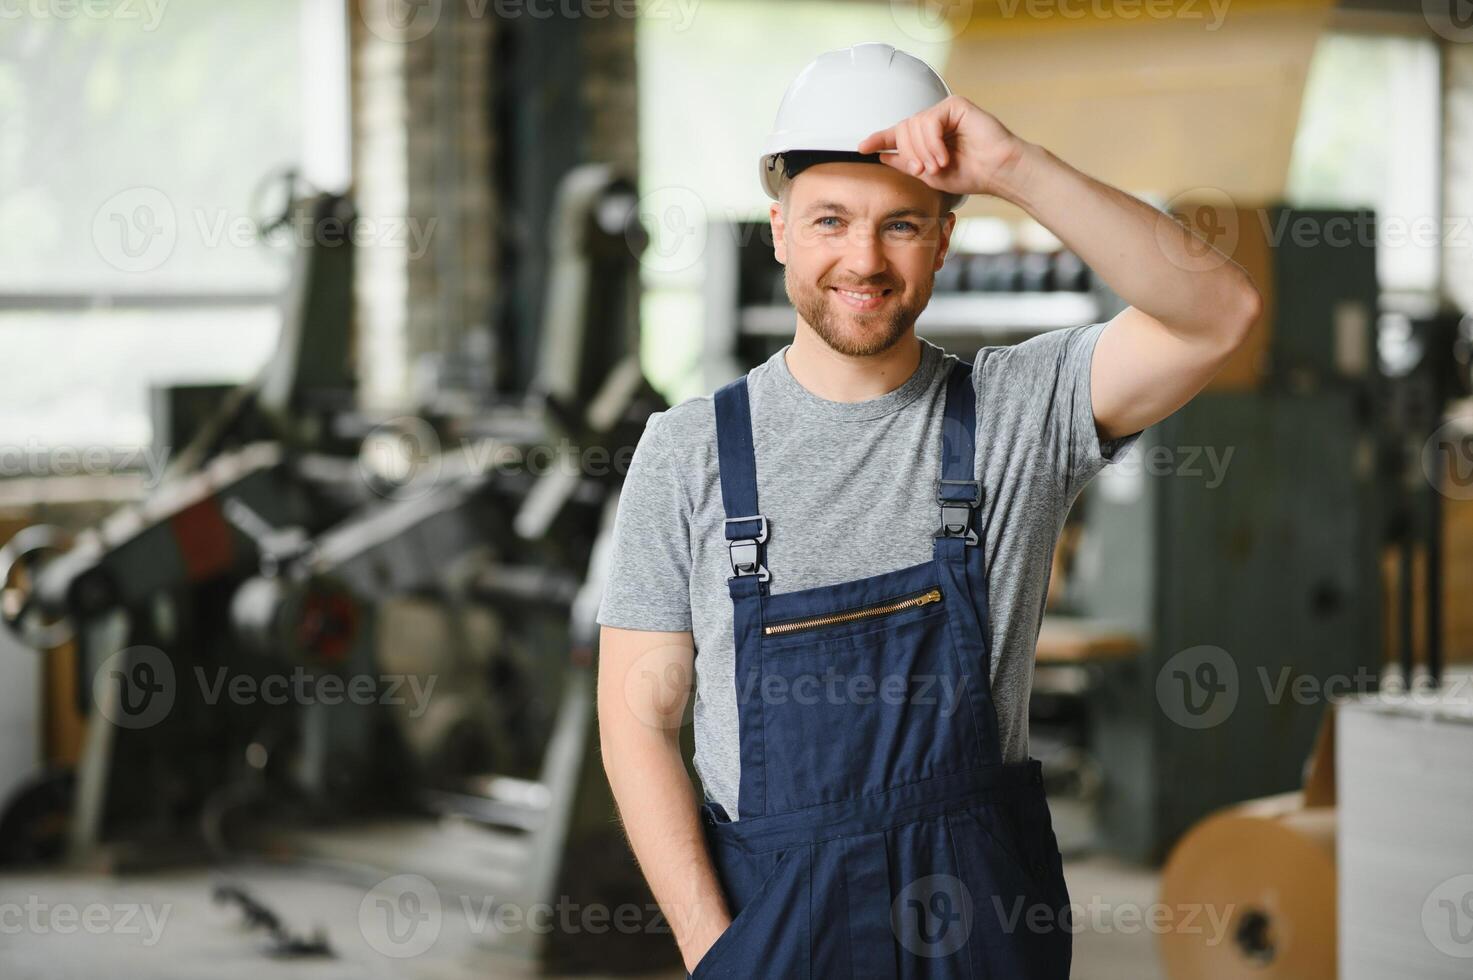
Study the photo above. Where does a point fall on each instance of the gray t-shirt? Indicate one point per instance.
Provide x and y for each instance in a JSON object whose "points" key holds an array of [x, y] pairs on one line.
{"points": [[848, 489]]}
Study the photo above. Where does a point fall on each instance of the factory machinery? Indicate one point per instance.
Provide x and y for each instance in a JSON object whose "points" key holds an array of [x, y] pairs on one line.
{"points": [[333, 636]]}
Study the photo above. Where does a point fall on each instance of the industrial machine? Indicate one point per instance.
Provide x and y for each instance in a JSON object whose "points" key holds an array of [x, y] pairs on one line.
{"points": [[326, 634], [1244, 543]]}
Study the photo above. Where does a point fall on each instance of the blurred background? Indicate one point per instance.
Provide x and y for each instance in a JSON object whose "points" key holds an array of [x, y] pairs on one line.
{"points": [[330, 327]]}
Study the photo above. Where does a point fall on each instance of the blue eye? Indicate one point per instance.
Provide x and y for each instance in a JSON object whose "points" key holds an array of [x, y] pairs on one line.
{"points": [[827, 218], [904, 224]]}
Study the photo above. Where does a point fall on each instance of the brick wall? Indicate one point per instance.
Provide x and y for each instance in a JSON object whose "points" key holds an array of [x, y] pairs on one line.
{"points": [[424, 153]]}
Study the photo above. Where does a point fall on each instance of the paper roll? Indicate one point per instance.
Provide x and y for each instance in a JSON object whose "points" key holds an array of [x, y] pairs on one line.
{"points": [[1258, 881]]}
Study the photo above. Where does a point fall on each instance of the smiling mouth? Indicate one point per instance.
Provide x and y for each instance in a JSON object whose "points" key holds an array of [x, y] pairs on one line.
{"points": [[862, 299]]}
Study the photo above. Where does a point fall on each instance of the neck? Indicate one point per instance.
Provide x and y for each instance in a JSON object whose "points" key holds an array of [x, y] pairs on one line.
{"points": [[840, 377]]}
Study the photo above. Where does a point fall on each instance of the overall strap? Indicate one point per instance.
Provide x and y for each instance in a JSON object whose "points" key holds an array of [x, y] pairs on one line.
{"points": [[958, 491], [746, 528]]}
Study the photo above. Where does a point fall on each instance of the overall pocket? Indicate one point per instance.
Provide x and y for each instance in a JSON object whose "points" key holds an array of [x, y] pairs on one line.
{"points": [[768, 936], [1021, 924], [855, 701]]}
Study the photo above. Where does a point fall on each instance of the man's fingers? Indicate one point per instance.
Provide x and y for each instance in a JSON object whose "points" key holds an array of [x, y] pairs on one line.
{"points": [[883, 139], [920, 140], [935, 130], [905, 161], [918, 145]]}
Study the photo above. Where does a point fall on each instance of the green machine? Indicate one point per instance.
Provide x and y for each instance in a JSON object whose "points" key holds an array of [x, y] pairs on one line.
{"points": [[1240, 541]]}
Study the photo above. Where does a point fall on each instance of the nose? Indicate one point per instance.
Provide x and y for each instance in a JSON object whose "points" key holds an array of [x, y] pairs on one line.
{"points": [[864, 254]]}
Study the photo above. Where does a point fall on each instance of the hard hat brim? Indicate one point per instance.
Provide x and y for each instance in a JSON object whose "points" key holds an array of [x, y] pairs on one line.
{"points": [[771, 174]]}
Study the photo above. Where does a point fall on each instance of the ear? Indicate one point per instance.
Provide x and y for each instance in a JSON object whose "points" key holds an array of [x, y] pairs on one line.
{"points": [[944, 228], [779, 225]]}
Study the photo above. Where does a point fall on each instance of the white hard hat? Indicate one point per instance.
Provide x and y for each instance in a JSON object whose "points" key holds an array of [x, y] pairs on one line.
{"points": [[842, 97]]}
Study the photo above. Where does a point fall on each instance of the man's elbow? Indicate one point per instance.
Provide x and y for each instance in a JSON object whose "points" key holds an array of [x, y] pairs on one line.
{"points": [[1239, 324]]}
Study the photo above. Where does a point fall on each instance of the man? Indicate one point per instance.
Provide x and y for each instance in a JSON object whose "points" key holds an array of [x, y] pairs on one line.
{"points": [[862, 667]]}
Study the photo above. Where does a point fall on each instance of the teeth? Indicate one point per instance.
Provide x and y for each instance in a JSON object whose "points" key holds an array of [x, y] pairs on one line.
{"points": [[858, 296]]}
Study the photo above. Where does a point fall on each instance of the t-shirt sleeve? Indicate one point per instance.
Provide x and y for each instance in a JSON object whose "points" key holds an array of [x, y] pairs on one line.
{"points": [[1049, 374], [648, 582]]}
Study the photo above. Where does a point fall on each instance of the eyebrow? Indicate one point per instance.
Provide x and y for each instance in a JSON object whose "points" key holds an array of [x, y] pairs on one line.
{"points": [[835, 207]]}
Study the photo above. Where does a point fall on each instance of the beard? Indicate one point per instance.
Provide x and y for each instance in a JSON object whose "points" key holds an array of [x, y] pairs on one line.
{"points": [[855, 334]]}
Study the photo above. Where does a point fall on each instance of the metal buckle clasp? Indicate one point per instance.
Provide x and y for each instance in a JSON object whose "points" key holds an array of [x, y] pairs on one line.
{"points": [[956, 515], [746, 553]]}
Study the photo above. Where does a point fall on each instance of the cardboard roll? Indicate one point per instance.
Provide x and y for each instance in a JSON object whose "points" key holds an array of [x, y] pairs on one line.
{"points": [[1259, 882]]}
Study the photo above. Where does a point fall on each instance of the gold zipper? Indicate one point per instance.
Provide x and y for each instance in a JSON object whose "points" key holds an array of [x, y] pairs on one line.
{"points": [[833, 619]]}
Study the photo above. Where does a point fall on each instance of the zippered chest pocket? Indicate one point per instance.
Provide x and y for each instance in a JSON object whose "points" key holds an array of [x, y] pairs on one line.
{"points": [[859, 699], [806, 631]]}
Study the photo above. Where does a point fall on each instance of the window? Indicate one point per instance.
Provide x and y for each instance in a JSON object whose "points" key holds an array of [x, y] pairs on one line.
{"points": [[1368, 137], [134, 136]]}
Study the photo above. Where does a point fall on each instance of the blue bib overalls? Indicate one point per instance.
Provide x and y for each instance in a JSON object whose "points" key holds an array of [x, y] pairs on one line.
{"points": [[880, 833]]}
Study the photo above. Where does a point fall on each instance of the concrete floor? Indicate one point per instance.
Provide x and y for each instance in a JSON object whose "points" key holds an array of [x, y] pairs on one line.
{"points": [[60, 926]]}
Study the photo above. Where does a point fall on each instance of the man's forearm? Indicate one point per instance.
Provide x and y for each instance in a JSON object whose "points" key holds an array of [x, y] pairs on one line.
{"points": [[1146, 257], [658, 807]]}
